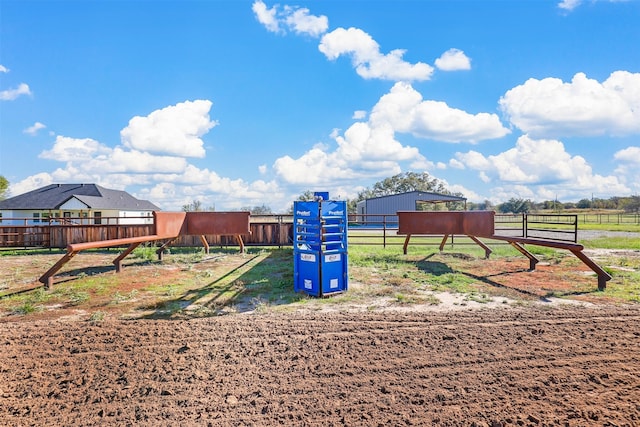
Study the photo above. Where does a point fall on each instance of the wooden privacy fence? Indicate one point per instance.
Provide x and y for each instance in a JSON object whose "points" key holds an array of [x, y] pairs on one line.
{"points": [[265, 231]]}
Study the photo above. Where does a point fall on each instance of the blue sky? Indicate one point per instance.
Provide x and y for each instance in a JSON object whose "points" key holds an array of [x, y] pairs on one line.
{"points": [[244, 103]]}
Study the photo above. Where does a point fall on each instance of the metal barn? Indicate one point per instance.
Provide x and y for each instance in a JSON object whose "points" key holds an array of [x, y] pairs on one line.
{"points": [[387, 206]]}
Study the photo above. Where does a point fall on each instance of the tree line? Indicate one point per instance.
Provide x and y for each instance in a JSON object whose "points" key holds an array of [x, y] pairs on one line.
{"points": [[629, 204], [415, 181]]}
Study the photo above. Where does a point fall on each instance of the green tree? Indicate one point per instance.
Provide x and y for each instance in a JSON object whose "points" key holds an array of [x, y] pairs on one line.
{"points": [[258, 210], [484, 206], [403, 183], [514, 205], [306, 196], [583, 204], [632, 205], [194, 206], [4, 187]]}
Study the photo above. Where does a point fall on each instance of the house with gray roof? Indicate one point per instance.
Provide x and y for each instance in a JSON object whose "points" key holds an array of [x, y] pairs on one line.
{"points": [[75, 204]]}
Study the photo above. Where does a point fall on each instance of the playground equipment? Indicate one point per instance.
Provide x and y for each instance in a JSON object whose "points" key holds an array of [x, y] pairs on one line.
{"points": [[168, 227], [475, 224], [320, 246]]}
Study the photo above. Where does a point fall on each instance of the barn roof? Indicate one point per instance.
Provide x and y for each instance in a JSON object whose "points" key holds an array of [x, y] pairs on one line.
{"points": [[94, 196], [426, 196]]}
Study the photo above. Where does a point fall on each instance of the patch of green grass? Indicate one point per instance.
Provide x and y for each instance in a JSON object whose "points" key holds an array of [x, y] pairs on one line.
{"points": [[78, 297], [27, 307], [144, 252], [609, 226], [412, 299], [120, 298], [262, 279], [97, 316], [35, 251], [482, 298], [631, 243], [27, 302]]}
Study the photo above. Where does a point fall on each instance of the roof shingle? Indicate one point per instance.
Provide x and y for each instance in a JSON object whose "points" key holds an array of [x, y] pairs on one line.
{"points": [[94, 196]]}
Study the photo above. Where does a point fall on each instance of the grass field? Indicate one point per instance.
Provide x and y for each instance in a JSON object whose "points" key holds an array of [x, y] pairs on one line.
{"points": [[190, 283]]}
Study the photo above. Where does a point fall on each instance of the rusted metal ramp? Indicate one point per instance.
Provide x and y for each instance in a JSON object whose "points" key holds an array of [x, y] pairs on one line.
{"points": [[481, 224], [168, 226]]}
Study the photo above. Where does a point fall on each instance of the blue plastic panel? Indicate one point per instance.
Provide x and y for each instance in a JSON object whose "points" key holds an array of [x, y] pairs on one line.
{"points": [[334, 272], [320, 247], [307, 272]]}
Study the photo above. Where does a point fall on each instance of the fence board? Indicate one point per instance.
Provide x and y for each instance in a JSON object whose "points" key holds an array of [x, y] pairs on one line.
{"points": [[60, 235]]}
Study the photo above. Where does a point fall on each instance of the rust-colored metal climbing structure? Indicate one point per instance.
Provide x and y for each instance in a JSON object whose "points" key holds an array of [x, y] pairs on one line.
{"points": [[168, 226], [481, 224]]}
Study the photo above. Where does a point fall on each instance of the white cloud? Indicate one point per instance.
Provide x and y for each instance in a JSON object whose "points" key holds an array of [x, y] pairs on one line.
{"points": [[422, 163], [453, 60], [33, 130], [365, 53], [629, 167], [473, 160], [404, 108], [583, 107], [300, 21], [174, 130], [529, 162], [569, 4], [135, 162], [67, 149], [312, 168], [211, 189], [628, 155], [30, 183], [544, 166], [370, 149], [92, 158], [266, 17], [367, 59], [295, 19], [372, 142], [3, 69], [455, 164], [470, 195], [363, 152], [11, 94], [359, 115], [169, 181]]}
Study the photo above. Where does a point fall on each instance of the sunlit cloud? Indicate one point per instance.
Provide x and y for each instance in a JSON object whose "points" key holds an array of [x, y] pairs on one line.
{"points": [[289, 18], [175, 130], [33, 130], [12, 94], [367, 59], [582, 107], [453, 60]]}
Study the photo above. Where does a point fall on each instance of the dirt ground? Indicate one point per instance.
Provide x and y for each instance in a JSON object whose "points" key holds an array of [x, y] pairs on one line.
{"points": [[567, 366], [574, 363]]}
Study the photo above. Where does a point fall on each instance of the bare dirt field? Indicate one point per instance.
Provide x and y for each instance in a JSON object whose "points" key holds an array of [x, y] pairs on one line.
{"points": [[518, 358], [568, 366]]}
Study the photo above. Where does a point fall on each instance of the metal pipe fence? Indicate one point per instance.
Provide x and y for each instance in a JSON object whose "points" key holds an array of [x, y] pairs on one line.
{"points": [[277, 230], [603, 218]]}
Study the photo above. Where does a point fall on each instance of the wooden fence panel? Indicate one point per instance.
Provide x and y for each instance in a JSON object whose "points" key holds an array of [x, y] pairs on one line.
{"points": [[263, 233]]}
